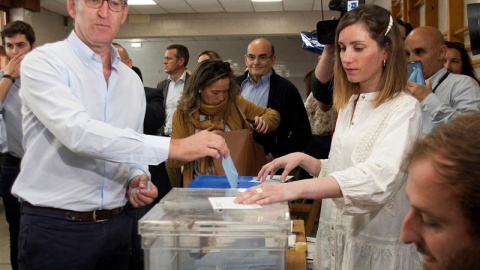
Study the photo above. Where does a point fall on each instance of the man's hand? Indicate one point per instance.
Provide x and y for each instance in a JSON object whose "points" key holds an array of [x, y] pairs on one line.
{"points": [[13, 67], [141, 191], [418, 91], [201, 144]]}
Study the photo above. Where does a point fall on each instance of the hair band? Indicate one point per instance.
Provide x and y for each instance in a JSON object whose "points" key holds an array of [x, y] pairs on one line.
{"points": [[390, 24]]}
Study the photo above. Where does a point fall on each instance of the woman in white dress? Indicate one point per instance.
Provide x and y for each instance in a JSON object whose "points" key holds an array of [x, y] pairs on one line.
{"points": [[362, 184]]}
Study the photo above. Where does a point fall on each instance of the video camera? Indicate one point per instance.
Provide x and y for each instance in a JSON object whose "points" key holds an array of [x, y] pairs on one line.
{"points": [[326, 29]]}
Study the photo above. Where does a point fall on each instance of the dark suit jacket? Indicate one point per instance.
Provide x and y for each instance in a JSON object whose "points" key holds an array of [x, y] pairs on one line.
{"points": [[155, 112], [293, 133], [163, 87]]}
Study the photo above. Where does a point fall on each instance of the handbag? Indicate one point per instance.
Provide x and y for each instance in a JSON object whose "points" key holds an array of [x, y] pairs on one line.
{"points": [[247, 155]]}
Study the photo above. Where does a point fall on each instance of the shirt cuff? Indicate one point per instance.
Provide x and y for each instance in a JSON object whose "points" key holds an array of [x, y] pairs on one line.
{"points": [[156, 148]]}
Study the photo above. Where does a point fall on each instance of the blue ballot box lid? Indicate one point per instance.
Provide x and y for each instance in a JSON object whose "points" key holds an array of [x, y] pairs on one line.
{"points": [[215, 181]]}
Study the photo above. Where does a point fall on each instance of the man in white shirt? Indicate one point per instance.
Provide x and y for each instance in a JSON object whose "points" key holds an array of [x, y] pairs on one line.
{"points": [[18, 38], [85, 154], [445, 94], [175, 61]]}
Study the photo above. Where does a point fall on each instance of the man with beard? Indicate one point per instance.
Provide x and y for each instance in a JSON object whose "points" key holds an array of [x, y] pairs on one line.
{"points": [[444, 192]]}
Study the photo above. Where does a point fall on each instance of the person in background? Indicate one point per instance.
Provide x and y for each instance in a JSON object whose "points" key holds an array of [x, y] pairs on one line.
{"points": [[322, 118], [208, 54], [362, 184], [19, 39], [262, 86], [457, 60], [209, 102], [85, 154], [154, 119], [444, 94], [175, 60], [444, 192], [405, 28], [125, 58]]}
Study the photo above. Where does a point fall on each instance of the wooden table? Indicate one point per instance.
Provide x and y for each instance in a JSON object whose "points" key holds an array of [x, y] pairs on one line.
{"points": [[297, 260]]}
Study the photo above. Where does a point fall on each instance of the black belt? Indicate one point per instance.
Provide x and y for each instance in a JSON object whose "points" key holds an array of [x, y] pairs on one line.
{"points": [[95, 215]]}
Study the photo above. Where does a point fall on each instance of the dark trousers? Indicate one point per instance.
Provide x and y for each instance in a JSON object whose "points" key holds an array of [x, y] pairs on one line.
{"points": [[160, 179], [53, 243], [10, 170]]}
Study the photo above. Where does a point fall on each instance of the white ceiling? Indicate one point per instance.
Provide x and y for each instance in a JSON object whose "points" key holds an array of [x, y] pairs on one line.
{"points": [[205, 6]]}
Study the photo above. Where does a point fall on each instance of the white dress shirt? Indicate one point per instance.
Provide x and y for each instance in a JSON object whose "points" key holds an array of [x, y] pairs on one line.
{"points": [[82, 134], [361, 230], [175, 90], [456, 94]]}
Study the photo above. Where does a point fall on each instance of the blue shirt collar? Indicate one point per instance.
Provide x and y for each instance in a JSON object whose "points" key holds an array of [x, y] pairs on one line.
{"points": [[263, 79], [86, 54], [181, 79]]}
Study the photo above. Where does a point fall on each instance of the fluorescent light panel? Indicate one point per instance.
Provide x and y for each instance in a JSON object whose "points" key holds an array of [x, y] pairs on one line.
{"points": [[136, 44], [141, 2]]}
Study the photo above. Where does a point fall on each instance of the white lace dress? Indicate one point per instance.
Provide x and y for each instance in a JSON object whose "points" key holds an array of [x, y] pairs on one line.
{"points": [[361, 230]]}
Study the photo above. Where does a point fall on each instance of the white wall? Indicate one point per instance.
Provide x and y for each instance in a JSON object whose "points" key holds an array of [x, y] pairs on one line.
{"points": [[292, 62]]}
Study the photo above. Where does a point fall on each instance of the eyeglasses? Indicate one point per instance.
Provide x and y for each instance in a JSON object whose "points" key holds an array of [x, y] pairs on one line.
{"points": [[261, 58], [113, 5]]}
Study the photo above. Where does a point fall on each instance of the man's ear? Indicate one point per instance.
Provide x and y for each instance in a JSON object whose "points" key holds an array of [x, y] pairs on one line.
{"points": [[182, 61], [71, 8], [442, 51], [33, 46]]}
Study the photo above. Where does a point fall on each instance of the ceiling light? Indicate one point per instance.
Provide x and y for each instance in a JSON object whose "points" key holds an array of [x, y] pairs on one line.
{"points": [[136, 44], [140, 2]]}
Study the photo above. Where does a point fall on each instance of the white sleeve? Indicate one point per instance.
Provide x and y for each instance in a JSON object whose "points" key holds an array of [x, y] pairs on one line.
{"points": [[369, 184]]}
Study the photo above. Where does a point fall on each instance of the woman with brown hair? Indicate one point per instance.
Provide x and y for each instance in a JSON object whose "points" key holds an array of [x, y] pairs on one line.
{"points": [[211, 101], [361, 184]]}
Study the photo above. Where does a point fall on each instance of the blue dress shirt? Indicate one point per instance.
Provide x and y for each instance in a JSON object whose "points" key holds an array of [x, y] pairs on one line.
{"points": [[258, 94], [11, 121], [82, 134]]}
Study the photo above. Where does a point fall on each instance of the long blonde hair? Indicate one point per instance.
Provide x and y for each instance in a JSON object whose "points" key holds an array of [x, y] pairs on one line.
{"points": [[394, 74]]}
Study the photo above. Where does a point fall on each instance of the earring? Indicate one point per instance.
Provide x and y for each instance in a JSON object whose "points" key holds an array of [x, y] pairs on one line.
{"points": [[198, 91], [384, 62]]}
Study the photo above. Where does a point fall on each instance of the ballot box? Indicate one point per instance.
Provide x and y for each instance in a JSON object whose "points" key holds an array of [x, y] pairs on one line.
{"points": [[183, 231]]}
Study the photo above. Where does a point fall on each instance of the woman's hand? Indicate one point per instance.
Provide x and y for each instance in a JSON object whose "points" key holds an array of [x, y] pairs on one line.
{"points": [[261, 126], [269, 193], [287, 162]]}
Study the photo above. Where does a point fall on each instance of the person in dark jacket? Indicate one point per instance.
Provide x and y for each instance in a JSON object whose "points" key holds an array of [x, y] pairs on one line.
{"points": [[262, 86]]}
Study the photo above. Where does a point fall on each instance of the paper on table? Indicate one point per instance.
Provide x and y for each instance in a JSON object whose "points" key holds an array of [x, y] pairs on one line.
{"points": [[230, 171], [274, 180], [227, 203]]}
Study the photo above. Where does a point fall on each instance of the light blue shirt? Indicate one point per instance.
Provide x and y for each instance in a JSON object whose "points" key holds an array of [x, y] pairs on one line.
{"points": [[456, 94], [258, 94], [82, 135], [175, 90], [11, 121]]}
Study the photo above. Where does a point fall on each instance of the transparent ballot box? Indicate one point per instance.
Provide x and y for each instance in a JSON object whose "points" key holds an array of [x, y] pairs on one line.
{"points": [[183, 231]]}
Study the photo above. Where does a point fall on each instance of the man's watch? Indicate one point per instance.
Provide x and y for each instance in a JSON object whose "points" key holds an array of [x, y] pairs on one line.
{"points": [[9, 77]]}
